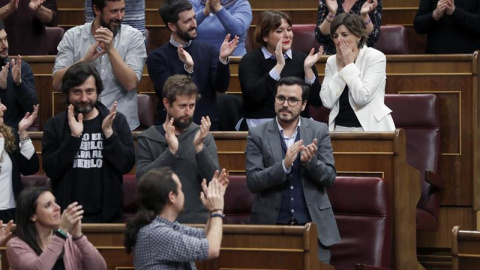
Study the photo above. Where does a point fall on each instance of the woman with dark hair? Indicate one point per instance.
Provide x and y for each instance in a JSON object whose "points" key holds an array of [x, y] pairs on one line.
{"points": [[17, 156], [47, 239], [260, 69], [355, 78], [369, 10]]}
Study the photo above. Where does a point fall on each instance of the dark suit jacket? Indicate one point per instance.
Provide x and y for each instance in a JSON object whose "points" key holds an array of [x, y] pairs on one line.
{"points": [[266, 177]]}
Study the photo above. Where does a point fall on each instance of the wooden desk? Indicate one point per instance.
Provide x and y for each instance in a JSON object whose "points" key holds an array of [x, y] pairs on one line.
{"points": [[465, 249], [243, 247]]}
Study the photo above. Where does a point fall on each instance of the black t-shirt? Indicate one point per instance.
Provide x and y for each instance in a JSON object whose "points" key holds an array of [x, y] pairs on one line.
{"points": [[346, 116], [88, 174]]}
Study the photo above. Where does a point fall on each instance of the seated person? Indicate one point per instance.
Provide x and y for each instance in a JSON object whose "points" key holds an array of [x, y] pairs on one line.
{"points": [[157, 240], [17, 156], [48, 239], [369, 10], [355, 78], [217, 18], [260, 69], [451, 26]]}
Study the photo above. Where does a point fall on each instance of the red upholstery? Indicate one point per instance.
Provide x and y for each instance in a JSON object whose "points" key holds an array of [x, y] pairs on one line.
{"points": [[363, 211], [130, 203], [146, 112], [392, 40], [304, 38], [54, 36], [238, 200], [35, 180], [419, 116]]}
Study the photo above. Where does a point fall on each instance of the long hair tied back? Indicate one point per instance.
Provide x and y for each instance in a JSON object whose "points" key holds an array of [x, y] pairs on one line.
{"points": [[152, 192]]}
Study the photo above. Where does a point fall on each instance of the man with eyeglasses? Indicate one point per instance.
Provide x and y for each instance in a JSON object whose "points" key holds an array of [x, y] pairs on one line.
{"points": [[290, 164]]}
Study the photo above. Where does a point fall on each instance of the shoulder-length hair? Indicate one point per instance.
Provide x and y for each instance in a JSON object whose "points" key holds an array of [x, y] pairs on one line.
{"points": [[269, 21]]}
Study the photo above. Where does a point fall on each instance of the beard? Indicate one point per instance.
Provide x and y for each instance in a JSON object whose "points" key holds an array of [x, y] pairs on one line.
{"points": [[185, 35], [83, 107], [110, 26], [284, 118], [181, 124]]}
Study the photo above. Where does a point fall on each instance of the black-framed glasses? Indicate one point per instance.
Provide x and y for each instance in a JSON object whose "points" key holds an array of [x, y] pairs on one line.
{"points": [[291, 101]]}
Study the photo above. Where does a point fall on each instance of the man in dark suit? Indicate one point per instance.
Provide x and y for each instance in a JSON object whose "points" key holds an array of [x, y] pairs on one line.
{"points": [[288, 177]]}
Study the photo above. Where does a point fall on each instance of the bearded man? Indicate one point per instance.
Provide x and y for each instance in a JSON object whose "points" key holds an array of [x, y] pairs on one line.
{"points": [[117, 51], [87, 149], [187, 148]]}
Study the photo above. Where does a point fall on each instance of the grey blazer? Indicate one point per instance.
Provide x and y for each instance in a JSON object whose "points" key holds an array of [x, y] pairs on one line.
{"points": [[266, 177]]}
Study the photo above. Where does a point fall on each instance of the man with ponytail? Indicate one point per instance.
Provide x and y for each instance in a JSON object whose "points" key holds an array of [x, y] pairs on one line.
{"points": [[154, 236]]}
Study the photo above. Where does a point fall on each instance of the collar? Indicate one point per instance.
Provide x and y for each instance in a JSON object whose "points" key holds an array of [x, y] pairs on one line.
{"points": [[281, 129], [176, 44], [167, 222], [268, 55]]}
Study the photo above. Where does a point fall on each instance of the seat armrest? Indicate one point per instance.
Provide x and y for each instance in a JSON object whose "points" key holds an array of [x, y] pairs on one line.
{"points": [[368, 267], [434, 179]]}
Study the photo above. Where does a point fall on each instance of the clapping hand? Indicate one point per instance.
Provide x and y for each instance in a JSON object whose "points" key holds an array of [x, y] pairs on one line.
{"points": [[309, 152], [332, 6], [34, 4], [170, 137], [27, 121], [71, 220], [4, 76], [186, 58], [5, 231], [368, 7], [17, 70], [202, 132], [312, 58], [292, 153], [228, 47], [75, 124]]}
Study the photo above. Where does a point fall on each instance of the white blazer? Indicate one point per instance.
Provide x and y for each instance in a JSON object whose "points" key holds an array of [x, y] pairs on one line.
{"points": [[366, 79]]}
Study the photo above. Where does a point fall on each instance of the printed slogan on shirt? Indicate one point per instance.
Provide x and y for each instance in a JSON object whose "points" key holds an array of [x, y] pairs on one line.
{"points": [[90, 153]]}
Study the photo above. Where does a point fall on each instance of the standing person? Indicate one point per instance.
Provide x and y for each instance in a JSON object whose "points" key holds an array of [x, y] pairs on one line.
{"points": [[134, 14], [187, 148], [48, 239], [184, 55], [217, 18], [117, 51], [451, 26], [369, 10], [87, 149], [355, 78], [260, 69], [17, 85], [17, 156], [290, 164], [158, 241], [25, 22]]}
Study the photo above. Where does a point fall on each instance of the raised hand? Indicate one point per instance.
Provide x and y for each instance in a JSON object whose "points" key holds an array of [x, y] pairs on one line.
{"points": [[279, 54], [27, 120], [170, 137], [93, 52], [223, 180], [107, 124], [4, 76], [17, 70], [35, 4], [228, 47], [202, 132], [332, 6], [207, 10], [292, 153], [450, 7], [309, 152], [312, 59], [105, 37], [75, 124], [5, 231], [368, 7], [186, 58], [71, 219], [215, 5], [13, 5], [212, 194], [439, 11]]}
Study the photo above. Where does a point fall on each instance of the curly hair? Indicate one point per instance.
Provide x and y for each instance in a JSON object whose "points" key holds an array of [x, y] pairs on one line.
{"points": [[9, 138]]}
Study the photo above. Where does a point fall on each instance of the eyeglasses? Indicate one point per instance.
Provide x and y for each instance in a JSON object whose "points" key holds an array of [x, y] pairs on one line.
{"points": [[291, 101]]}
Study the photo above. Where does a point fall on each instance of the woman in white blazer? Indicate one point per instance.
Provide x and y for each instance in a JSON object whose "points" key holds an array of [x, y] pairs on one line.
{"points": [[355, 77]]}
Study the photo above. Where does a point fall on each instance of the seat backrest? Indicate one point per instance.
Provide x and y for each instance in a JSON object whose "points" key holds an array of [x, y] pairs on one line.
{"points": [[363, 211], [35, 180], [130, 202], [465, 249], [304, 38], [238, 200], [54, 36], [392, 40], [419, 116], [146, 111]]}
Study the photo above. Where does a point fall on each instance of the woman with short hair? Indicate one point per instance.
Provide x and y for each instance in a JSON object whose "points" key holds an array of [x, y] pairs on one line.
{"points": [[355, 78]]}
